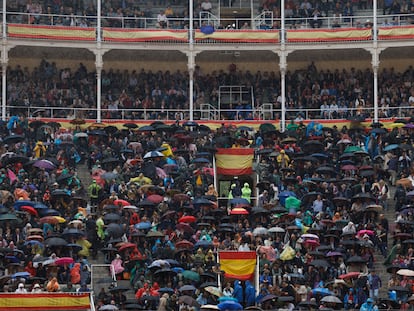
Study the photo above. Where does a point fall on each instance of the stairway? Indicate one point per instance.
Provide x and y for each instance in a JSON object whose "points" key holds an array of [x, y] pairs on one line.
{"points": [[379, 267]]}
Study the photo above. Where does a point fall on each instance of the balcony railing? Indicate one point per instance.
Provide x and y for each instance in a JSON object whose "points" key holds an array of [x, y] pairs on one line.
{"points": [[263, 112], [147, 29]]}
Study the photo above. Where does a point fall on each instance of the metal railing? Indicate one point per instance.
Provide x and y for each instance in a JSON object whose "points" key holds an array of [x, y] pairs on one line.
{"points": [[265, 20], [266, 111]]}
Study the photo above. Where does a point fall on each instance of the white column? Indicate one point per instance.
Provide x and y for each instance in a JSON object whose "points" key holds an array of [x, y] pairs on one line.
{"points": [[98, 21], [282, 23], [283, 67], [4, 65], [191, 67], [375, 65], [99, 66]]}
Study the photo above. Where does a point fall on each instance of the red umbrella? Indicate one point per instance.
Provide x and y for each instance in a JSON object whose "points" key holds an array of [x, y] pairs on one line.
{"points": [[350, 275], [184, 227], [121, 202], [187, 219], [363, 232], [64, 261], [184, 244], [29, 209], [311, 242], [239, 211], [155, 198], [126, 245]]}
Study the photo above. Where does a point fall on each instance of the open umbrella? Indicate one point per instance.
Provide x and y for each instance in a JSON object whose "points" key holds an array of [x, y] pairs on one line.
{"points": [[188, 300], [331, 299], [153, 154], [44, 164], [55, 241], [190, 275], [64, 261], [229, 305], [214, 291], [406, 272], [239, 211]]}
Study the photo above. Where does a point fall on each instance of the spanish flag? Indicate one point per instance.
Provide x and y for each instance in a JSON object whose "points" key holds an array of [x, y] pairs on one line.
{"points": [[238, 265], [44, 301], [234, 161]]}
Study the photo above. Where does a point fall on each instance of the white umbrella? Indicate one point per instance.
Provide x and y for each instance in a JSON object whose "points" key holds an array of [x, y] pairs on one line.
{"points": [[309, 236], [131, 207], [276, 230], [260, 231], [405, 272], [331, 299]]}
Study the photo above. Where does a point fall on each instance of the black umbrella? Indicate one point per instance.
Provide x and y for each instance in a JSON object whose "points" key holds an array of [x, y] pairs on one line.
{"points": [[146, 128], [130, 125], [98, 133], [13, 139], [63, 178], [325, 170], [59, 193], [110, 160], [356, 260], [111, 217], [55, 241], [319, 263], [72, 232]]}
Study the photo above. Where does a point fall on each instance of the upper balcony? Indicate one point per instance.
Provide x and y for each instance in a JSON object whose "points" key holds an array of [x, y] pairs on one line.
{"points": [[208, 29]]}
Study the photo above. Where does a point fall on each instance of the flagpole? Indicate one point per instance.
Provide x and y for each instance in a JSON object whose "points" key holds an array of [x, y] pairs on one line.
{"points": [[215, 172], [257, 279], [218, 274]]}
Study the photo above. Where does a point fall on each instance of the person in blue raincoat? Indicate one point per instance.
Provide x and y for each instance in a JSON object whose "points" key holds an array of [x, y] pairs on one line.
{"points": [[238, 291], [250, 294], [369, 305]]}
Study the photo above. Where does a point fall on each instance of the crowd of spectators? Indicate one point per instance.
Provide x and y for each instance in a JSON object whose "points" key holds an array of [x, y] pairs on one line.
{"points": [[157, 218], [127, 14], [140, 94]]}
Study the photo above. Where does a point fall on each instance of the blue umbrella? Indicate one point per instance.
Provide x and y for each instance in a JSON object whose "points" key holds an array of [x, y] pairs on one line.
{"points": [[207, 29], [143, 225], [21, 275], [200, 161], [322, 291], [284, 195], [34, 242], [390, 147], [21, 203], [203, 244], [229, 305], [39, 205], [177, 269]]}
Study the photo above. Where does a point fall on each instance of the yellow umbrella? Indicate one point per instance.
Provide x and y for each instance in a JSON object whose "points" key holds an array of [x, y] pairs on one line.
{"points": [[61, 220], [214, 291]]}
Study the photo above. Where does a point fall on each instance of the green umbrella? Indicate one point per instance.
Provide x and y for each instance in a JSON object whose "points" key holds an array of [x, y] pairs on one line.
{"points": [[8, 217], [191, 275], [351, 149], [292, 202]]}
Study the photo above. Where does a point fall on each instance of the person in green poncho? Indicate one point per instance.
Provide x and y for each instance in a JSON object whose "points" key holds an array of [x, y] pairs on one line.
{"points": [[100, 227]]}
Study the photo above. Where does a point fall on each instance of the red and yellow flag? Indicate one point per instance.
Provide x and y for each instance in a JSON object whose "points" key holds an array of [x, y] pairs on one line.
{"points": [[238, 265], [234, 161], [44, 301]]}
